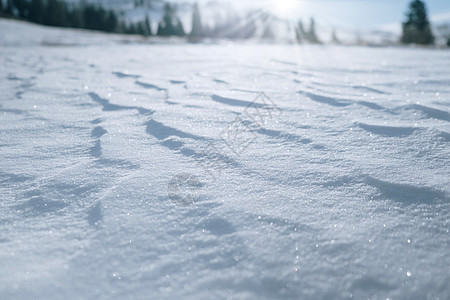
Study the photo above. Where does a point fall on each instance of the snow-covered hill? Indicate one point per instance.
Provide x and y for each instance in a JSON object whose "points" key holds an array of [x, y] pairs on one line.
{"points": [[232, 171]]}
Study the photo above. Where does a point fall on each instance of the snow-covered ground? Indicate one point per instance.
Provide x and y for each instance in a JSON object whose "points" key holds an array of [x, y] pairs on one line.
{"points": [[231, 171]]}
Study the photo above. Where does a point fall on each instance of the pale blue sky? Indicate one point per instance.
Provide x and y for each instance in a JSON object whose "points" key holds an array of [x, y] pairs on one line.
{"points": [[367, 14], [351, 14]]}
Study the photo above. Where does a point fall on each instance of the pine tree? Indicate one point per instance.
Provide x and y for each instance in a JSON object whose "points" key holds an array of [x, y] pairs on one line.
{"points": [[179, 30], [416, 28], [197, 27], [54, 13], [9, 7], [36, 11], [140, 28], [147, 27], [170, 24], [131, 29], [165, 26], [300, 32], [76, 16], [21, 7], [122, 28], [312, 36], [112, 22], [1, 7]]}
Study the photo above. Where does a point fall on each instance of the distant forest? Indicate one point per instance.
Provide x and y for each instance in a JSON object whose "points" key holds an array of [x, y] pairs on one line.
{"points": [[62, 14], [416, 29], [94, 17]]}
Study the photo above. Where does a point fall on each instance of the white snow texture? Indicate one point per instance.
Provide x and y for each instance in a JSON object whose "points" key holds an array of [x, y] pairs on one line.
{"points": [[131, 170]]}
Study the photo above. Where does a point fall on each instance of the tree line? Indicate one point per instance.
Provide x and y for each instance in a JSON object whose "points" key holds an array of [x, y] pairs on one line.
{"points": [[416, 29], [86, 16], [95, 17], [62, 14]]}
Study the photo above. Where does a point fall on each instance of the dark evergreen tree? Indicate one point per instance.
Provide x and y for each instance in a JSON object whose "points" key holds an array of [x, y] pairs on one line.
{"points": [[21, 7], [416, 28], [55, 13], [448, 42], [300, 32], [160, 30], [9, 7], [131, 29], [89, 17], [103, 23], [197, 27], [312, 36], [1, 7], [179, 30], [170, 24], [165, 27], [77, 17], [36, 11], [112, 22], [147, 27], [140, 28], [121, 27], [97, 18], [59, 13]]}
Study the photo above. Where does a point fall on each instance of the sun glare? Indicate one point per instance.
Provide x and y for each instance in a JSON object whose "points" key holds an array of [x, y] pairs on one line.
{"points": [[286, 8]]}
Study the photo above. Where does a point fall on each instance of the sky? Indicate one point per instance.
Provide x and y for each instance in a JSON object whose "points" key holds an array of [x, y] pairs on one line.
{"points": [[351, 14], [367, 14]]}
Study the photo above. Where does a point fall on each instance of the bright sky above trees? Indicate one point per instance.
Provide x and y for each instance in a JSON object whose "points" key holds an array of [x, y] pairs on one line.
{"points": [[360, 14]]}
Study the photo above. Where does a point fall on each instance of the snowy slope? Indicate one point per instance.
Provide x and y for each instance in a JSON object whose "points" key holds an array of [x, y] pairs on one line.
{"points": [[334, 186]]}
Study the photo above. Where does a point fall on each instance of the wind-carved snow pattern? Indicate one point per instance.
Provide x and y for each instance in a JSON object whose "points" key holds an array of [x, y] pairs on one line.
{"points": [[237, 136], [144, 171]]}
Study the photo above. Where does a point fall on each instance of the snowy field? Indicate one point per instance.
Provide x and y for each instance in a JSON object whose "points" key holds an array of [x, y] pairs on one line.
{"points": [[226, 171]]}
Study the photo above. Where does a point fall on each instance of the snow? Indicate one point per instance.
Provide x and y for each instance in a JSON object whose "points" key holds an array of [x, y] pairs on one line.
{"points": [[133, 170]]}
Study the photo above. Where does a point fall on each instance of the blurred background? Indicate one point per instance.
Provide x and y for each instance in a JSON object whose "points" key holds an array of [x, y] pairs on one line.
{"points": [[349, 22]]}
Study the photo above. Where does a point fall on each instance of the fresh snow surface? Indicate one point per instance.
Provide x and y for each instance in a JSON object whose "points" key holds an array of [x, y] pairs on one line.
{"points": [[159, 171]]}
